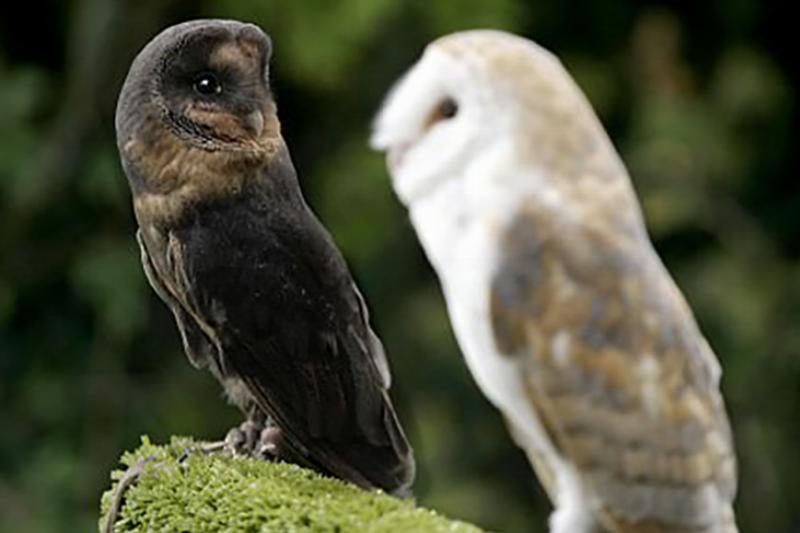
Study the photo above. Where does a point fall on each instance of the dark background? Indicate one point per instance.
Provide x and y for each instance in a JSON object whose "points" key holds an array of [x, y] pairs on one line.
{"points": [[699, 97]]}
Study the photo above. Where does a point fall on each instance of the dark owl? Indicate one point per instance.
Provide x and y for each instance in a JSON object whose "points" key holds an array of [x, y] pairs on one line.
{"points": [[261, 295]]}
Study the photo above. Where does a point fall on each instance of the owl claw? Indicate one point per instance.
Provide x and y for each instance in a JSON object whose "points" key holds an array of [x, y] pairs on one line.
{"points": [[256, 439], [269, 443]]}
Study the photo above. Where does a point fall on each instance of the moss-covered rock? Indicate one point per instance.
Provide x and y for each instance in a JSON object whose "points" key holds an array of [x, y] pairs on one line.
{"points": [[183, 489]]}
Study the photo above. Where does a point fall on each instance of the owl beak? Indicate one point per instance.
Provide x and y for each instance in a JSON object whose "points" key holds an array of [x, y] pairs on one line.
{"points": [[254, 121], [395, 156]]}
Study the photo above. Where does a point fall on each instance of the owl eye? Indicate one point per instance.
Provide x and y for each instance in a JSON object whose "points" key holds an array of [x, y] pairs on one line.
{"points": [[448, 108], [444, 110], [207, 84]]}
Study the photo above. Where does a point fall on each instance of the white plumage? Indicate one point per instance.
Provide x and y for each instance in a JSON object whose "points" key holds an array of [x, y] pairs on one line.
{"points": [[566, 317]]}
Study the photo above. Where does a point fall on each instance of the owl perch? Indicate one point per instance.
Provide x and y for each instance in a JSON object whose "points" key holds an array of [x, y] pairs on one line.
{"points": [[180, 488]]}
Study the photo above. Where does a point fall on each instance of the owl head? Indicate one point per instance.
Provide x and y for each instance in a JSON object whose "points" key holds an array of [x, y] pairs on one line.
{"points": [[205, 81], [487, 94]]}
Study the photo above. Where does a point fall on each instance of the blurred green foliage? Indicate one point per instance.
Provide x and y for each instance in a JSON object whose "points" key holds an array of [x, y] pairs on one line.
{"points": [[700, 98]]}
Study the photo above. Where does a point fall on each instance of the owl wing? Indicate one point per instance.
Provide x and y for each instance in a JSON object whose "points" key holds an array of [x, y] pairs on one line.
{"points": [[196, 344], [284, 317], [617, 370]]}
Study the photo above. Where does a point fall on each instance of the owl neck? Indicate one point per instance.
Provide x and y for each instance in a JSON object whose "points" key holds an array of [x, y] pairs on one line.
{"points": [[171, 178]]}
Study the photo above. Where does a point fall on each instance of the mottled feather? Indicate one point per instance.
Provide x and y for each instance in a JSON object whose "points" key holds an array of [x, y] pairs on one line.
{"points": [[616, 367]]}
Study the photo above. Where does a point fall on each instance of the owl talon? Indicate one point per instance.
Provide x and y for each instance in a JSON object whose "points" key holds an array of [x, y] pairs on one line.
{"points": [[256, 439], [269, 443]]}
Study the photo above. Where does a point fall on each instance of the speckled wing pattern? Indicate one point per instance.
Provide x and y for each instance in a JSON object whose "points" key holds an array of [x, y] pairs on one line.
{"points": [[617, 370]]}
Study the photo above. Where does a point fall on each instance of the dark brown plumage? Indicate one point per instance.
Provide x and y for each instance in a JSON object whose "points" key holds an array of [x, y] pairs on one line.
{"points": [[261, 295]]}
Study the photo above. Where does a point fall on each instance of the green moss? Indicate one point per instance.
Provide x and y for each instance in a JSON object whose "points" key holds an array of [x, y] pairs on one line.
{"points": [[216, 493]]}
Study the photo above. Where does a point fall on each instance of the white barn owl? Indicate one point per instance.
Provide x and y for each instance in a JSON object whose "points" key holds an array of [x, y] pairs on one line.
{"points": [[568, 320]]}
